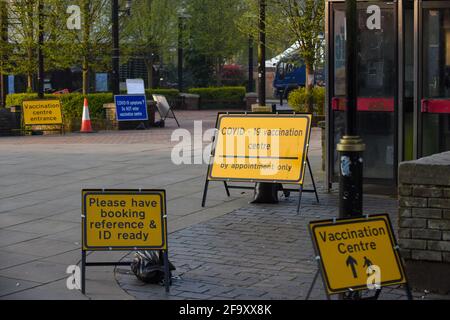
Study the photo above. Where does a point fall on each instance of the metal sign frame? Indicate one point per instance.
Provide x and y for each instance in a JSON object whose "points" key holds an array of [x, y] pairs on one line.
{"points": [[305, 163], [164, 248], [353, 292]]}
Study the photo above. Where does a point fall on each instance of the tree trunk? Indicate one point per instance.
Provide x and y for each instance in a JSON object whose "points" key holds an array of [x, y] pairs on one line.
{"points": [[85, 70], [218, 75], [86, 49], [29, 82], [309, 86], [149, 66]]}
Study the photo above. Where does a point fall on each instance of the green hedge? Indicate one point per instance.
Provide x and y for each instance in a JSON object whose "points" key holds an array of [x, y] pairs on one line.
{"points": [[72, 103], [170, 94], [220, 97], [298, 100]]}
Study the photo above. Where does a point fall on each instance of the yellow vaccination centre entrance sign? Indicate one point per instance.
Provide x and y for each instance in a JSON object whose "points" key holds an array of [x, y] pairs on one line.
{"points": [[42, 112]]}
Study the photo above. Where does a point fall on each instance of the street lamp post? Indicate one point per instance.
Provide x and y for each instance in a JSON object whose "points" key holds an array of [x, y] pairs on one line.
{"points": [[262, 53], [4, 41], [115, 79], [180, 52], [265, 192], [351, 146], [250, 86], [40, 54]]}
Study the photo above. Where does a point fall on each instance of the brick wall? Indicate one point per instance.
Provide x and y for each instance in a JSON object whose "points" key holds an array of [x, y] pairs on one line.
{"points": [[424, 212]]}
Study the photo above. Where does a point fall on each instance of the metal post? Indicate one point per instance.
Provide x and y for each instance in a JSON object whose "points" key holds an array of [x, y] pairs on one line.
{"points": [[115, 77], [40, 54], [180, 53], [83, 271], [262, 53], [250, 87], [351, 146], [269, 188], [4, 40]]}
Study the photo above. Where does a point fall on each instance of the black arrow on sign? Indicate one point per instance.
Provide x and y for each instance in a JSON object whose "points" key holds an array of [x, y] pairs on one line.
{"points": [[352, 263]]}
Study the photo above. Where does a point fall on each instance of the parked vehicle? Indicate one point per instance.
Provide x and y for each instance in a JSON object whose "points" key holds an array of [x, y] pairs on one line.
{"points": [[290, 74]]}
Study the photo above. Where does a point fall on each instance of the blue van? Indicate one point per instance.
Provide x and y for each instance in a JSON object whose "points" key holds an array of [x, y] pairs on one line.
{"points": [[291, 74]]}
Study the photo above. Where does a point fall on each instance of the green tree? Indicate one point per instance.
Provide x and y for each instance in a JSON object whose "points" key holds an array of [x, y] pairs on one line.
{"points": [[306, 25], [150, 32], [277, 37], [20, 51], [213, 31], [90, 46], [22, 39]]}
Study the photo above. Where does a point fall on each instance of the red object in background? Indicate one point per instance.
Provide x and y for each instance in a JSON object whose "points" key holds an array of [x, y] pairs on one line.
{"points": [[365, 104], [435, 106], [232, 72], [63, 91]]}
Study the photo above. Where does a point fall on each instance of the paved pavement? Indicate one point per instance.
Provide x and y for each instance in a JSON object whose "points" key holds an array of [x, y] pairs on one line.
{"points": [[229, 249], [40, 199], [258, 252]]}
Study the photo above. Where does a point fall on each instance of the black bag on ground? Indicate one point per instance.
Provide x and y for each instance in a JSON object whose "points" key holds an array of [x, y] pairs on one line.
{"points": [[160, 123], [266, 192], [148, 266]]}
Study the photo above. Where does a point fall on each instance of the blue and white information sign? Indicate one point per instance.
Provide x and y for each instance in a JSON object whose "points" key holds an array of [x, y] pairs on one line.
{"points": [[131, 107]]}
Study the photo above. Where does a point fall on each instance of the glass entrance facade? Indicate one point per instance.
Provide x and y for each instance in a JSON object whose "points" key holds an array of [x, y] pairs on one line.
{"points": [[436, 80], [403, 82], [376, 94]]}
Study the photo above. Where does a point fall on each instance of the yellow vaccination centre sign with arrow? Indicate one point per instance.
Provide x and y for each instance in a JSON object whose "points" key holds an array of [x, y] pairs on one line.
{"points": [[352, 250]]}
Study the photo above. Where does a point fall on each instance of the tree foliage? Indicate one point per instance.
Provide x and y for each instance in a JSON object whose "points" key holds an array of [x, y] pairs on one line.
{"points": [[151, 32], [213, 33], [20, 49]]}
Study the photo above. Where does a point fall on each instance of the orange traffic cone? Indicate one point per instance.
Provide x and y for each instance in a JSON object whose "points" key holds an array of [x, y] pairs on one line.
{"points": [[86, 126]]}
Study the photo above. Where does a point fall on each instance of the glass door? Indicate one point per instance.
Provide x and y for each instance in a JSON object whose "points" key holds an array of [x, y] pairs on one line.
{"points": [[377, 79], [435, 84]]}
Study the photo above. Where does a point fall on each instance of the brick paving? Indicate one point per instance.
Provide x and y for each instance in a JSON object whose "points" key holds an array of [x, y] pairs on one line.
{"points": [[153, 136], [229, 249], [258, 252]]}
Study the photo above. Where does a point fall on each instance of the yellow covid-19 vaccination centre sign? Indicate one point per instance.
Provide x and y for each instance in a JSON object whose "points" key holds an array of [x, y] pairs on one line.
{"points": [[261, 147]]}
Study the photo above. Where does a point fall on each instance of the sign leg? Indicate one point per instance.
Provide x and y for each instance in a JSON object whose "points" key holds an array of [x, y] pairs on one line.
{"points": [[205, 192], [312, 284], [226, 188], [83, 271], [312, 179], [166, 271], [408, 292], [175, 117], [299, 198]]}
